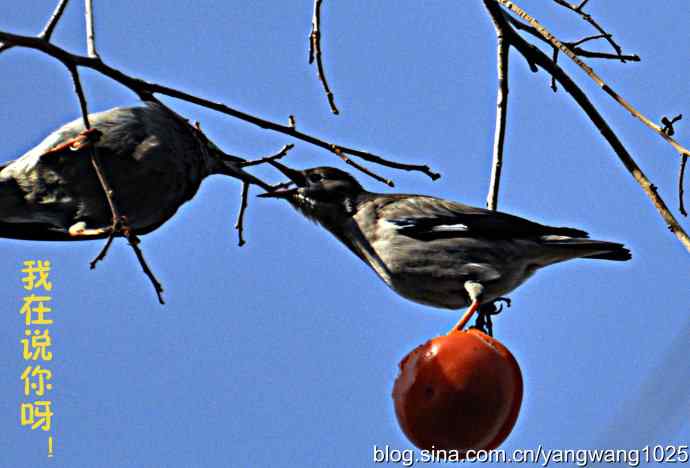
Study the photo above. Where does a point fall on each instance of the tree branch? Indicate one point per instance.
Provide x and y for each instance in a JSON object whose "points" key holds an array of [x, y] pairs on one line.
{"points": [[120, 225], [90, 31], [134, 243], [361, 168], [146, 89], [590, 72], [534, 55], [239, 225], [571, 45], [255, 162], [47, 32], [315, 52], [586, 39], [48, 28], [681, 184], [601, 55], [146, 92], [502, 49], [609, 37]]}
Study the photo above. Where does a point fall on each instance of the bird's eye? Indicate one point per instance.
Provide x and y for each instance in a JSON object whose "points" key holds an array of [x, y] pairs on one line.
{"points": [[315, 178]]}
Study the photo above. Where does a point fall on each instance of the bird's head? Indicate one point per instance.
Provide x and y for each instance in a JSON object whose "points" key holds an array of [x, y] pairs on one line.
{"points": [[319, 192]]}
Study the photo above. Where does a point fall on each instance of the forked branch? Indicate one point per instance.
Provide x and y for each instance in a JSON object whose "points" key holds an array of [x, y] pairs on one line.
{"points": [[535, 56], [592, 74], [146, 89], [48, 29], [146, 92], [119, 222], [602, 33]]}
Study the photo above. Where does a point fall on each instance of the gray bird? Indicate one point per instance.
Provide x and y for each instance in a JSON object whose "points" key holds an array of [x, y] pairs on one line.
{"points": [[152, 158], [433, 251]]}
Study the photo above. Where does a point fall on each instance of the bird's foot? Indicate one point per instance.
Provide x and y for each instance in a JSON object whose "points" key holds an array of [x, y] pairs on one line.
{"points": [[483, 321], [496, 306], [82, 140]]}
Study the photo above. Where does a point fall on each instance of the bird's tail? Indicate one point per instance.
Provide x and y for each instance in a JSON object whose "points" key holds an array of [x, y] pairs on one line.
{"points": [[617, 253], [565, 248]]}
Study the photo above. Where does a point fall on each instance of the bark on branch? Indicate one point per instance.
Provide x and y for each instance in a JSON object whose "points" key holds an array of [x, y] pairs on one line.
{"points": [[535, 56], [145, 90], [502, 50], [315, 53]]}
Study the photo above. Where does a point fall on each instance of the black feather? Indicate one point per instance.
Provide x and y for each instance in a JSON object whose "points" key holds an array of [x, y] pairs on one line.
{"points": [[485, 224]]}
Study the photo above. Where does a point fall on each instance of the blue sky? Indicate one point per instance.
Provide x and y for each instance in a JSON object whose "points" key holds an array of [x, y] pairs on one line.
{"points": [[284, 352]]}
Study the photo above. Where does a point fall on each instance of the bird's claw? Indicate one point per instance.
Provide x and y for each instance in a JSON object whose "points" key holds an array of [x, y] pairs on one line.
{"points": [[498, 305], [483, 321]]}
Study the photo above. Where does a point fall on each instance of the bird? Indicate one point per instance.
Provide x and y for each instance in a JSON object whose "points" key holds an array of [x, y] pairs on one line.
{"points": [[433, 251], [152, 158]]}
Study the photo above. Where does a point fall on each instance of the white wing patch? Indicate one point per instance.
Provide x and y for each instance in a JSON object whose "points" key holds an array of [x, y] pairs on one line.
{"points": [[553, 237], [450, 228], [397, 224], [406, 223]]}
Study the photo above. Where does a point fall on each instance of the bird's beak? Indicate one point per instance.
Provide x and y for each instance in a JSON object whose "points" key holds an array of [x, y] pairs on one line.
{"points": [[279, 193], [296, 177]]}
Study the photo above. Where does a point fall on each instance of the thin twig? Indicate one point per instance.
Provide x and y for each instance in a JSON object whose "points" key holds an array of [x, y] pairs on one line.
{"points": [[95, 162], [586, 39], [361, 168], [681, 184], [134, 243], [90, 30], [280, 154], [145, 89], [590, 72], [47, 32], [104, 250], [315, 52], [502, 49], [232, 164], [603, 55], [554, 57], [533, 54], [575, 49], [80, 95], [48, 28], [574, 46], [120, 225], [587, 17], [239, 225]]}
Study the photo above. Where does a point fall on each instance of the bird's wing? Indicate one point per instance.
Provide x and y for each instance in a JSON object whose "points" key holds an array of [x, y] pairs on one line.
{"points": [[53, 186], [35, 232], [429, 218]]}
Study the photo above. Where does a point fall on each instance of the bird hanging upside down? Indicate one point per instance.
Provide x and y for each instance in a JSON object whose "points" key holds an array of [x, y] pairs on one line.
{"points": [[152, 158], [434, 251]]}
